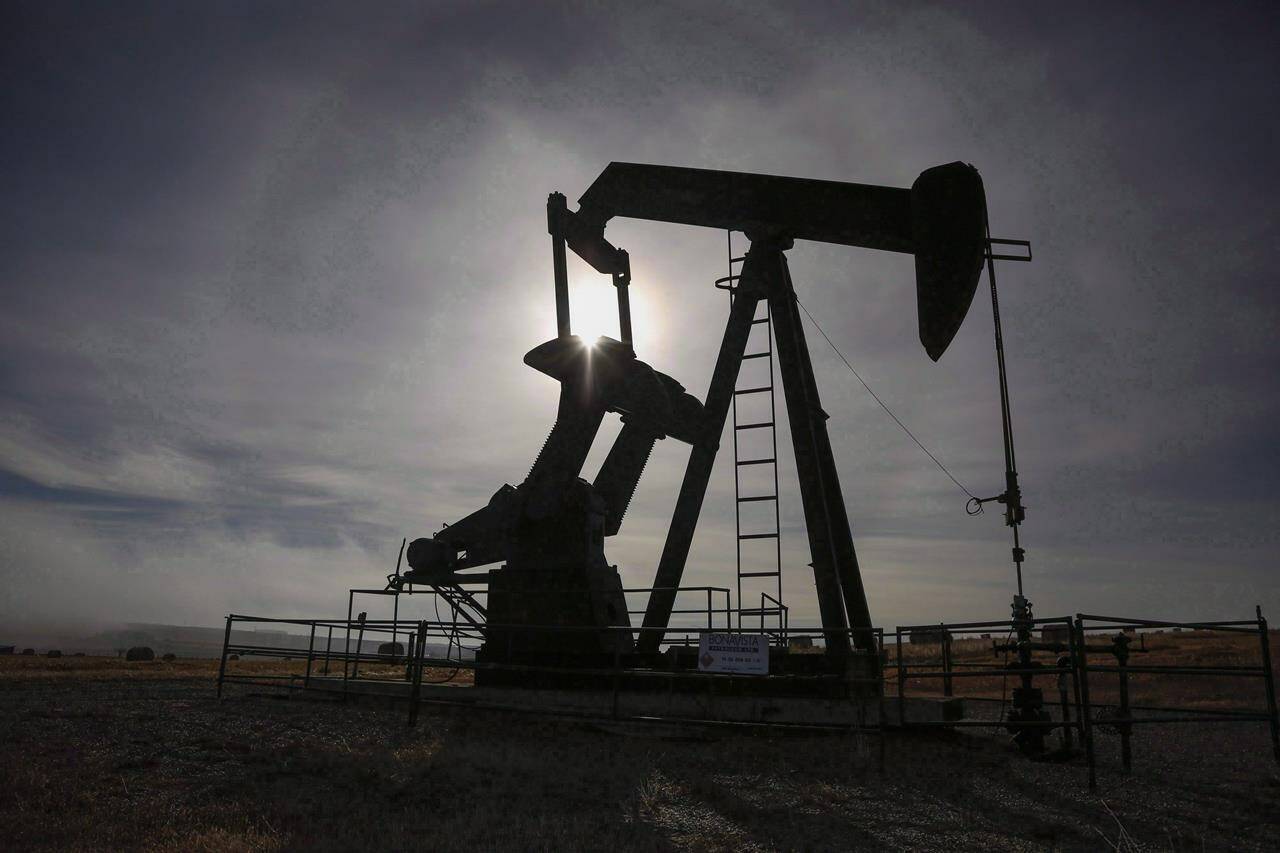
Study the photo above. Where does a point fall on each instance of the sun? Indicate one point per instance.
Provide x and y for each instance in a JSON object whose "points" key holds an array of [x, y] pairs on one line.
{"points": [[593, 310]]}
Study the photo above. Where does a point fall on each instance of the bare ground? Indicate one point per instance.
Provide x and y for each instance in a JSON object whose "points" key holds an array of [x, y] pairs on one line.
{"points": [[106, 755]]}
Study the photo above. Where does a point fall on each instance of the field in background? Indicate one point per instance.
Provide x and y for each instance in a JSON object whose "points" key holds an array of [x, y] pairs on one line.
{"points": [[17, 669], [98, 753]]}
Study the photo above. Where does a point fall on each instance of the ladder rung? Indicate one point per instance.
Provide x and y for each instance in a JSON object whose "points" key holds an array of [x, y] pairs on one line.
{"points": [[760, 611], [729, 283]]}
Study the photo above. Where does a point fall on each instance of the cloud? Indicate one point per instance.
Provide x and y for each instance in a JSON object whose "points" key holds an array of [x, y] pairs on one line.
{"points": [[268, 282]]}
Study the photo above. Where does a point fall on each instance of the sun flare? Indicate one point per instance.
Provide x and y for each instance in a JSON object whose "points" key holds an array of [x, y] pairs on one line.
{"points": [[593, 312]]}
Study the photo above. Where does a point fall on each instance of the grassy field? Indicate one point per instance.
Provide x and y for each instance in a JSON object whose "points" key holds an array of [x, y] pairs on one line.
{"points": [[99, 754]]}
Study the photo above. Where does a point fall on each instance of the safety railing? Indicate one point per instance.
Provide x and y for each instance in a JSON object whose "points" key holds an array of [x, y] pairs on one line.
{"points": [[770, 607], [1121, 713], [1090, 660], [926, 653], [354, 669], [715, 603], [1068, 651]]}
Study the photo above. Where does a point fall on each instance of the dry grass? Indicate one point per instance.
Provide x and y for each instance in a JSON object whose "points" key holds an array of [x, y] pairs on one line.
{"points": [[99, 754], [23, 668], [18, 668]]}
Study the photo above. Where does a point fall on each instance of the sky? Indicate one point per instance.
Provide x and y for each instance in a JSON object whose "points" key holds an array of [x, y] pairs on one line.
{"points": [[268, 271]]}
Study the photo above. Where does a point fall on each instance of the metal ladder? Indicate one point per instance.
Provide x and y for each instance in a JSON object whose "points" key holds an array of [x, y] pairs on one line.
{"points": [[771, 608]]}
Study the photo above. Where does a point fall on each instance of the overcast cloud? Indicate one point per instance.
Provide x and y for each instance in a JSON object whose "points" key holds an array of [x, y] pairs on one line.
{"points": [[269, 270]]}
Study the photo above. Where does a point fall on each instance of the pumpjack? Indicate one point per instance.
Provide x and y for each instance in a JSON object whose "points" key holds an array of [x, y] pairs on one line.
{"points": [[554, 593]]}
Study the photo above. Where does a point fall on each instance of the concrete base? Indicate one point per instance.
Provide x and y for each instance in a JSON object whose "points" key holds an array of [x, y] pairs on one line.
{"points": [[659, 704]]}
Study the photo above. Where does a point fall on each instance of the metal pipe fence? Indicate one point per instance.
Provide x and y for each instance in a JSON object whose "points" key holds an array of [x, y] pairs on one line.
{"points": [[901, 668], [1081, 709], [417, 661]]}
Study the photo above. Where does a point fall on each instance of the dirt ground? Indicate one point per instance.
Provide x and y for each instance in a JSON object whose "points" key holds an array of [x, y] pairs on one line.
{"points": [[98, 754]]}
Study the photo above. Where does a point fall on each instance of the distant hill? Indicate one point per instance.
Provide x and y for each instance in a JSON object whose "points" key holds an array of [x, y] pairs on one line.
{"points": [[190, 641]]}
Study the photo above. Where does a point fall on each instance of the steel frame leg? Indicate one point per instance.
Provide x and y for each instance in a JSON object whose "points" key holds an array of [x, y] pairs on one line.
{"points": [[841, 598]]}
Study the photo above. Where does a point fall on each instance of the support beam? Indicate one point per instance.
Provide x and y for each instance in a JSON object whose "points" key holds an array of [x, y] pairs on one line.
{"points": [[620, 473], [557, 215], [841, 598], [620, 283]]}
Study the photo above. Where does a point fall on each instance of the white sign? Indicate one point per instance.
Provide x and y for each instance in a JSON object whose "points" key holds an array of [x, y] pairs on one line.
{"points": [[746, 653]]}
